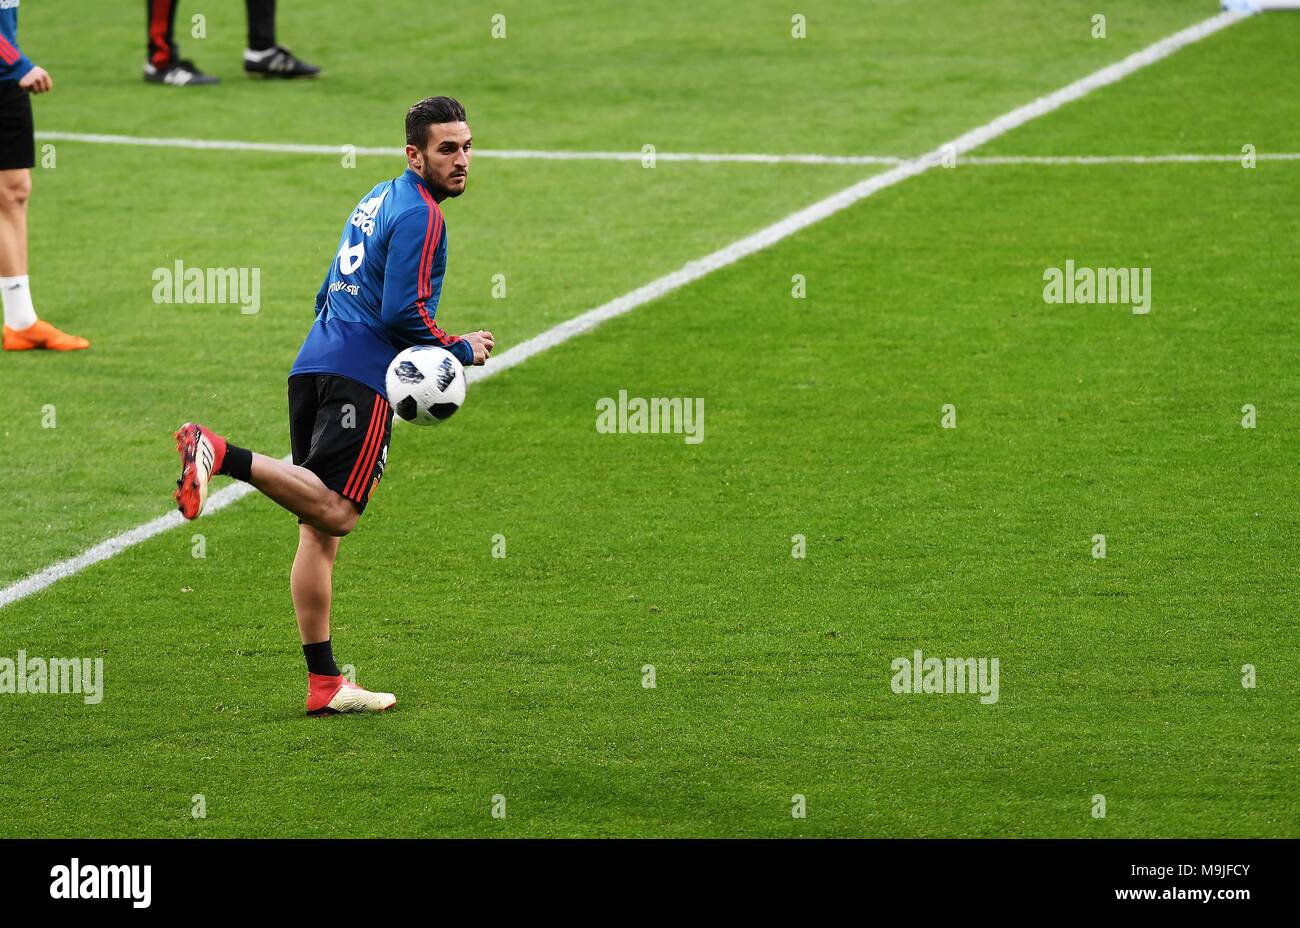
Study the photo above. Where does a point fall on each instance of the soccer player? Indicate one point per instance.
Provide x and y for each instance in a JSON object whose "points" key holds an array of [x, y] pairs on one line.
{"points": [[19, 78], [262, 58], [379, 297]]}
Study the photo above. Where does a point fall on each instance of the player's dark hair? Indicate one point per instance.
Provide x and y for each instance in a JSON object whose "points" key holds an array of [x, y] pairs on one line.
{"points": [[430, 111]]}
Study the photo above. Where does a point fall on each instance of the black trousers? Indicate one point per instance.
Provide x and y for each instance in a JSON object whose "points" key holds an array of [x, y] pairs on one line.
{"points": [[162, 21]]}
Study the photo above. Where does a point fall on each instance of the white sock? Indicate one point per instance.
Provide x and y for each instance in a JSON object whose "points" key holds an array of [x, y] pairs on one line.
{"points": [[17, 296]]}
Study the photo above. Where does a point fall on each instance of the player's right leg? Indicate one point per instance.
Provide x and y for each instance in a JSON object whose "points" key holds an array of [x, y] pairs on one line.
{"points": [[312, 584]]}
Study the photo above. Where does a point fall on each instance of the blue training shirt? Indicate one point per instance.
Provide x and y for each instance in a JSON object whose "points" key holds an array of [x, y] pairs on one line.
{"points": [[382, 289], [14, 65]]}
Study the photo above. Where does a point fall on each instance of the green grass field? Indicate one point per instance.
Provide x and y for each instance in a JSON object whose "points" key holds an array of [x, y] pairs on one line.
{"points": [[522, 676]]}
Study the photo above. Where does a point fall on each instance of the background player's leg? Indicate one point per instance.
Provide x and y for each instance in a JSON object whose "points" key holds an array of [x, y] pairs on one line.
{"points": [[312, 584], [164, 64], [21, 323], [261, 24], [162, 22], [265, 57], [15, 189]]}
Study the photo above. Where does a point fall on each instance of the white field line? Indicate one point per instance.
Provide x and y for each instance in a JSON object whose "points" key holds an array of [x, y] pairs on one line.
{"points": [[297, 149], [694, 270], [704, 157], [1124, 159]]}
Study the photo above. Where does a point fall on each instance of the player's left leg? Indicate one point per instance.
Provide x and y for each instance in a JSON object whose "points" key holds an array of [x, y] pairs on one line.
{"points": [[339, 432], [205, 454], [265, 58], [22, 329]]}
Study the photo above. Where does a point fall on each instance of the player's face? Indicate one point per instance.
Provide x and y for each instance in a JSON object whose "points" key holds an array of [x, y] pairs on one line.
{"points": [[444, 162]]}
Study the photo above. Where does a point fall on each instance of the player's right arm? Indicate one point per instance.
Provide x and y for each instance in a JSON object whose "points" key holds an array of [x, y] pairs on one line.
{"points": [[482, 344], [409, 301]]}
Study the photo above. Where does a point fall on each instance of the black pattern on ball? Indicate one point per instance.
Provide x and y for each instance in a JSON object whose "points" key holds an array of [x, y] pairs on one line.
{"points": [[408, 373], [446, 373], [406, 407], [442, 411]]}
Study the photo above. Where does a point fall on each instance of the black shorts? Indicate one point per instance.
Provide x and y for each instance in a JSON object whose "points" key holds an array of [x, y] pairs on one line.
{"points": [[339, 430], [17, 138]]}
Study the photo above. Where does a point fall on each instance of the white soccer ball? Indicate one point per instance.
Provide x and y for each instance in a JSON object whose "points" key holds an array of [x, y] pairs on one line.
{"points": [[426, 385]]}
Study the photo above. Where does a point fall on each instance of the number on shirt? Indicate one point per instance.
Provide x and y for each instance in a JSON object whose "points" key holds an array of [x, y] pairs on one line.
{"points": [[351, 256]]}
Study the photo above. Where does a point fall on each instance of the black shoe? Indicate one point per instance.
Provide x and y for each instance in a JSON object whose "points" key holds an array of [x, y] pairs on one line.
{"points": [[179, 73], [277, 62]]}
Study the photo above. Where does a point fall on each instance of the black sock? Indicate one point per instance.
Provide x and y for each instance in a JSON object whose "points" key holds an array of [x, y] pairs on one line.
{"points": [[320, 658], [237, 463], [261, 24]]}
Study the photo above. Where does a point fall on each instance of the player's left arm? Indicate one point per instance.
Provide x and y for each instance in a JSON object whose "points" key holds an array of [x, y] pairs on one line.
{"points": [[323, 293], [409, 305]]}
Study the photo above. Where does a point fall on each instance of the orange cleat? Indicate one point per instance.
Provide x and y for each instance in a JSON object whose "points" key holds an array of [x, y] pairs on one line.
{"points": [[42, 335]]}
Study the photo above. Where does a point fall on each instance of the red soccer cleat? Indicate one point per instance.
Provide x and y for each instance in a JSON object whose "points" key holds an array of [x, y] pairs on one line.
{"points": [[202, 452], [332, 695]]}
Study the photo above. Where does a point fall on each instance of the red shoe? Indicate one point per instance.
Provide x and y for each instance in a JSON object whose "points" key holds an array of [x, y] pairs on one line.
{"points": [[42, 335], [202, 452], [332, 695]]}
